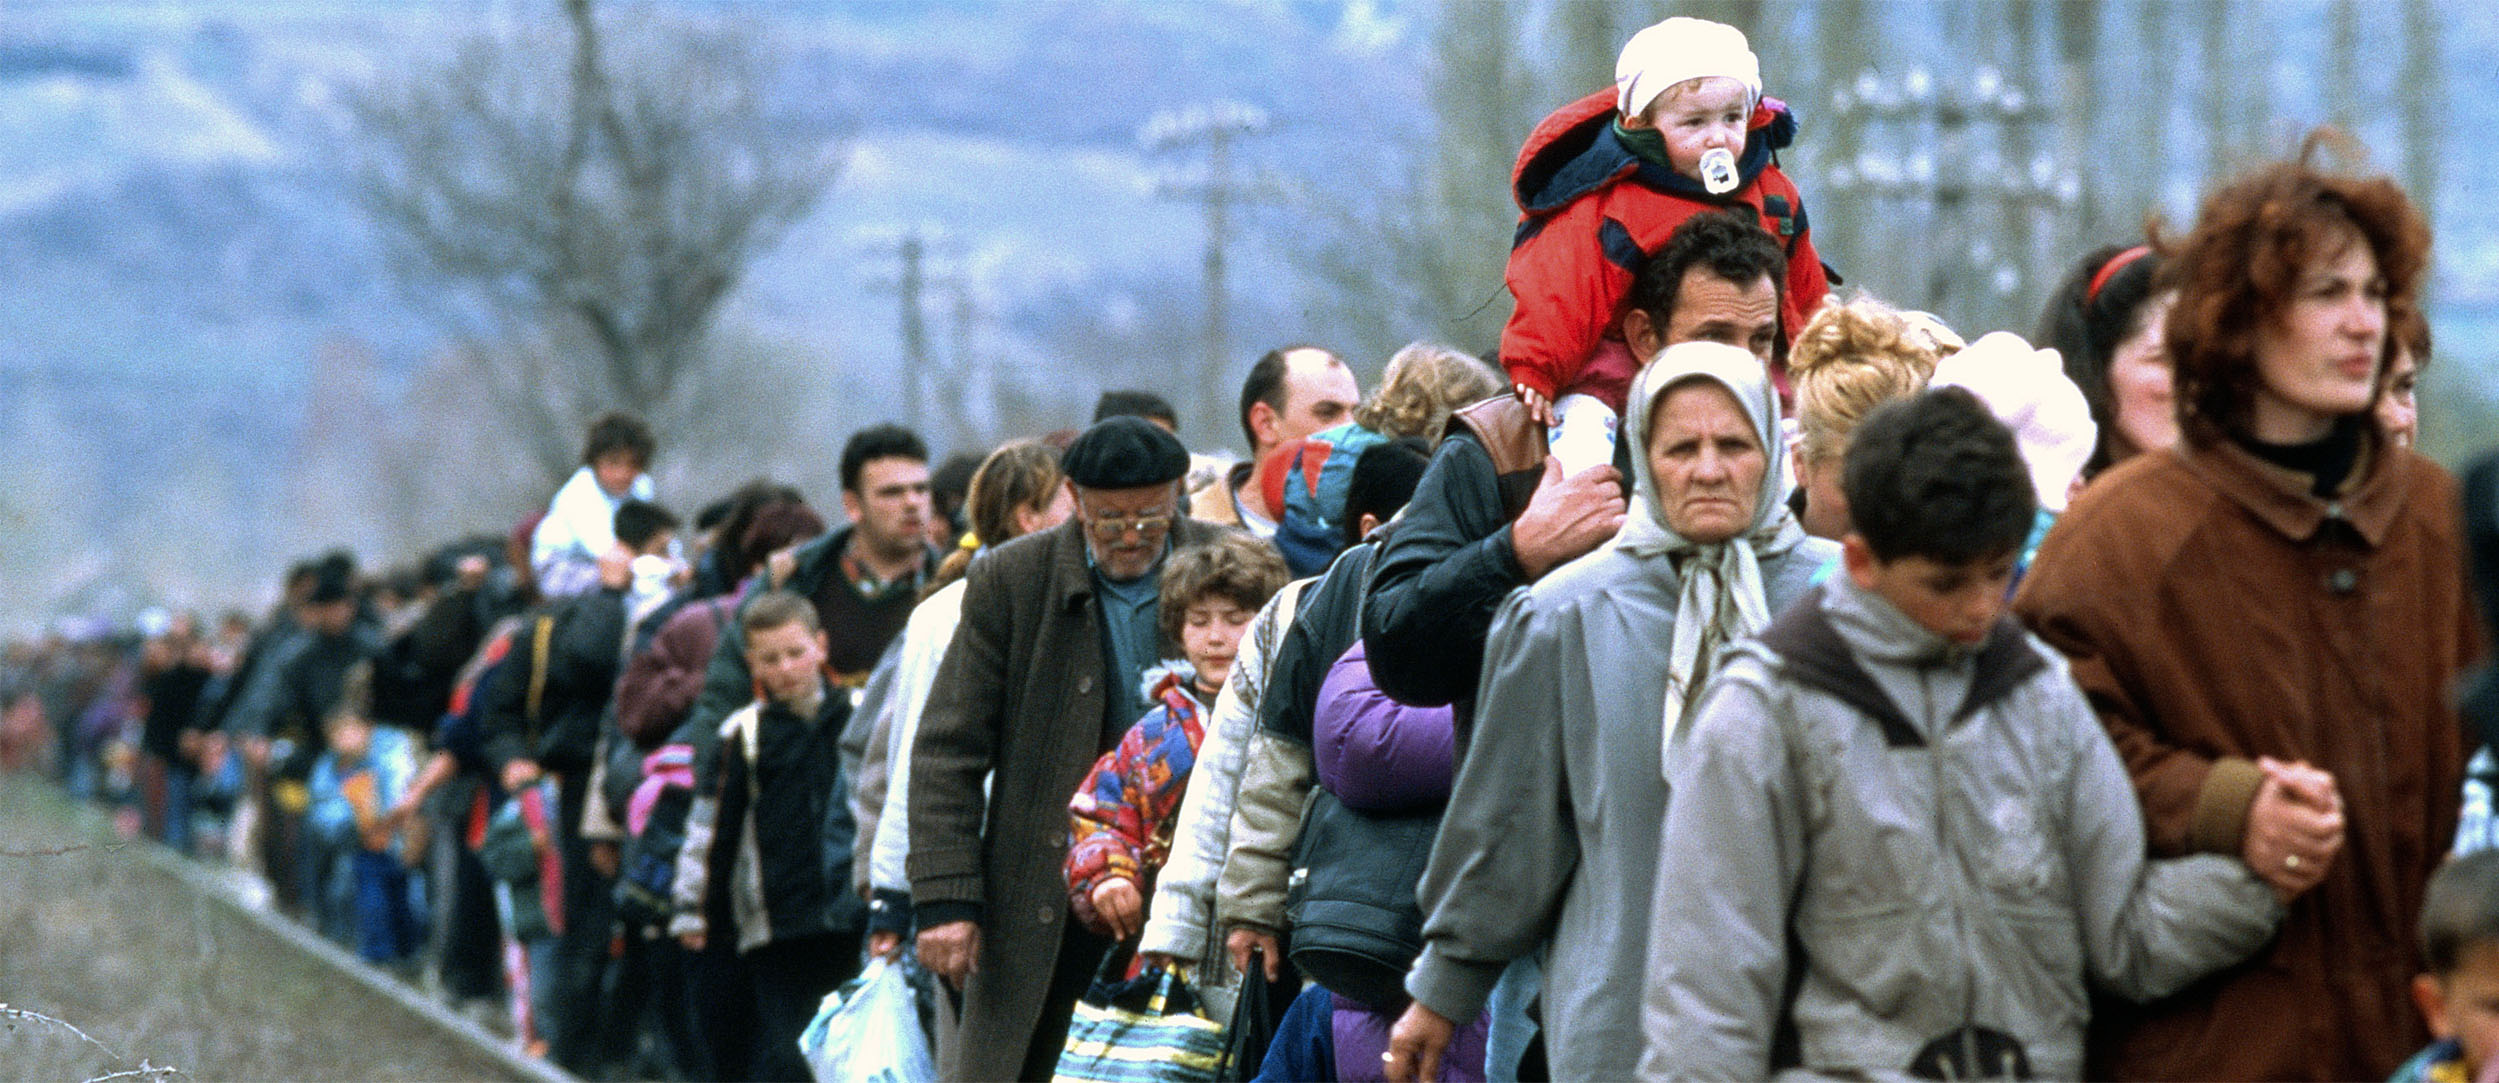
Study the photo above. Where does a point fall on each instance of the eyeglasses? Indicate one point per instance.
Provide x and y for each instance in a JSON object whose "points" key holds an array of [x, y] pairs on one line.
{"points": [[1114, 527]]}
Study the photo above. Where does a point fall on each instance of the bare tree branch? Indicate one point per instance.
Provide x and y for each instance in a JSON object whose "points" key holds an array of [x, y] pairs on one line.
{"points": [[615, 176]]}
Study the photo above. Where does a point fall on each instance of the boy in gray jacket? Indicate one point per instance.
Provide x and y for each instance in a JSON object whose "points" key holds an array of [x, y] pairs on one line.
{"points": [[1900, 843]]}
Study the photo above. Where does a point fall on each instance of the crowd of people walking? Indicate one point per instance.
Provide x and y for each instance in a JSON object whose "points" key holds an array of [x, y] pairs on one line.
{"points": [[1738, 679]]}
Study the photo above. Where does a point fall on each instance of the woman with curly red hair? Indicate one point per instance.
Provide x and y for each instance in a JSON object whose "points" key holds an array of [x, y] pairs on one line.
{"points": [[2267, 618]]}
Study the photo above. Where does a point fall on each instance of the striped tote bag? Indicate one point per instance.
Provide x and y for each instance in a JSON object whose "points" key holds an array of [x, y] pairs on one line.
{"points": [[1145, 1029]]}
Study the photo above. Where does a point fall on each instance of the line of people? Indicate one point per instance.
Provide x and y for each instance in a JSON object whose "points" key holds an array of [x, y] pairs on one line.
{"points": [[1760, 681]]}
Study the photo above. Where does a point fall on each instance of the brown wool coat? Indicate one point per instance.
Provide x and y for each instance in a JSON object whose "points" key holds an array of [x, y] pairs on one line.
{"points": [[2214, 612], [1021, 692]]}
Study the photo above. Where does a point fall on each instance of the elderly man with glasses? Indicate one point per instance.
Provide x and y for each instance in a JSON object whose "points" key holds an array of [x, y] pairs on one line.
{"points": [[1040, 680]]}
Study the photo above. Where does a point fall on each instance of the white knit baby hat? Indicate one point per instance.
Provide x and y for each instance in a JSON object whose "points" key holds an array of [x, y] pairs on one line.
{"points": [[1677, 49]]}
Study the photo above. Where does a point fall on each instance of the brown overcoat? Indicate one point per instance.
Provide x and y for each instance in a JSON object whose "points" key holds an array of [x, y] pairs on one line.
{"points": [[2214, 612], [1021, 692]]}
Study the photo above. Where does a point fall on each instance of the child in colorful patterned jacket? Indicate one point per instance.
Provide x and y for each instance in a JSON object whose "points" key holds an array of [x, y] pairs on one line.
{"points": [[1121, 817]]}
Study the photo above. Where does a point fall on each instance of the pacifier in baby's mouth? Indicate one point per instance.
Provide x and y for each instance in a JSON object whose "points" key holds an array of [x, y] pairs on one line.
{"points": [[1718, 170]]}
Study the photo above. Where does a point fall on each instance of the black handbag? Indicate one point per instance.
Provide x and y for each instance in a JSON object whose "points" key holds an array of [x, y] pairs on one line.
{"points": [[1254, 1015], [1356, 925]]}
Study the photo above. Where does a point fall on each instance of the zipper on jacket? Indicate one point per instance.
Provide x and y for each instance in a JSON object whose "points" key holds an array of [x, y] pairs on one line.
{"points": [[1937, 750]]}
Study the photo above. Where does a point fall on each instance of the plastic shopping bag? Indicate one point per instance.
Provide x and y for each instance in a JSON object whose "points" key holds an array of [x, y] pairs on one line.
{"points": [[868, 1031]]}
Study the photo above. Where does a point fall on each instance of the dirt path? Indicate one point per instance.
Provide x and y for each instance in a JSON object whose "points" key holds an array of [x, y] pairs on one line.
{"points": [[95, 936]]}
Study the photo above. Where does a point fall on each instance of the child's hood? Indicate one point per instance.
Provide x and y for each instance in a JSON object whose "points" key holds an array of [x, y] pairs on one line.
{"points": [[1574, 152], [1167, 675]]}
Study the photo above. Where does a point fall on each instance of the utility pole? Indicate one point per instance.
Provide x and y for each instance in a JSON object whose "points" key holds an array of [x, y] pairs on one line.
{"points": [[976, 391], [1990, 185], [1218, 198], [915, 355], [1214, 125], [911, 281], [2343, 58]]}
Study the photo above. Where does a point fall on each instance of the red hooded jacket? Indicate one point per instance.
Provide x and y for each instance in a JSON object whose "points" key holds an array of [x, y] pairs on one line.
{"points": [[1590, 212]]}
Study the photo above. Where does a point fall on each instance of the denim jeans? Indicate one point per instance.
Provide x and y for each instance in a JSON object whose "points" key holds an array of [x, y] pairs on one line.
{"points": [[386, 923], [1511, 1028]]}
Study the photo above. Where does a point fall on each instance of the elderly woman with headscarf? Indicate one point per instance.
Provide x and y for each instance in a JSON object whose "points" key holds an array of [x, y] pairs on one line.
{"points": [[1551, 831]]}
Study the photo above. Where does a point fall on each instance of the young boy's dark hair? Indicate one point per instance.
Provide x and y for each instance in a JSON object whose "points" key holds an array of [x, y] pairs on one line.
{"points": [[1936, 475], [2460, 909], [1384, 479], [1236, 568], [618, 430], [1144, 404], [639, 521], [878, 442], [2460, 942], [774, 608]]}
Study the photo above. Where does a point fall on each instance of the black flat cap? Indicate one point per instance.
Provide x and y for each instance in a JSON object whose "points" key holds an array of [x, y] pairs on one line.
{"points": [[1124, 453]]}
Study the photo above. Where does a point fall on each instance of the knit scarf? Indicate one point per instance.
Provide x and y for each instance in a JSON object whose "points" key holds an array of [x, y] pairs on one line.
{"points": [[1723, 597]]}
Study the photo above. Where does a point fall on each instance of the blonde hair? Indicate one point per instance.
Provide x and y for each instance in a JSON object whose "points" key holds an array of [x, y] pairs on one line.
{"points": [[1020, 474], [1851, 358], [1424, 384]]}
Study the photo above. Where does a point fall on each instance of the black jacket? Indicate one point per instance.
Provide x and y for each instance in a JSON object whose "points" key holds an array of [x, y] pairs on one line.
{"points": [[584, 642], [312, 670], [173, 696], [1323, 630], [413, 678], [794, 796], [1442, 574]]}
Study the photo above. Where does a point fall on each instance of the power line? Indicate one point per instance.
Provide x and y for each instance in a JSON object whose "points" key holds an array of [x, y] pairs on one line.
{"points": [[1215, 126]]}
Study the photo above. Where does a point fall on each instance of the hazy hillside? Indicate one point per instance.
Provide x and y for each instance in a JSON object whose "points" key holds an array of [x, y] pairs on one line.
{"points": [[187, 283]]}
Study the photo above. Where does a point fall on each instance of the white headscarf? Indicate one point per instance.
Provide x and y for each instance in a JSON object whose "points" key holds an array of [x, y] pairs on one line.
{"points": [[1723, 597]]}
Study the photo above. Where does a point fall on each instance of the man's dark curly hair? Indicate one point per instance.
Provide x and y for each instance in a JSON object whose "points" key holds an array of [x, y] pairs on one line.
{"points": [[1730, 243]]}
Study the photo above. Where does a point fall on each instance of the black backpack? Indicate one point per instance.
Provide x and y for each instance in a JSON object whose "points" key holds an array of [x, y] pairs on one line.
{"points": [[1356, 924]]}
